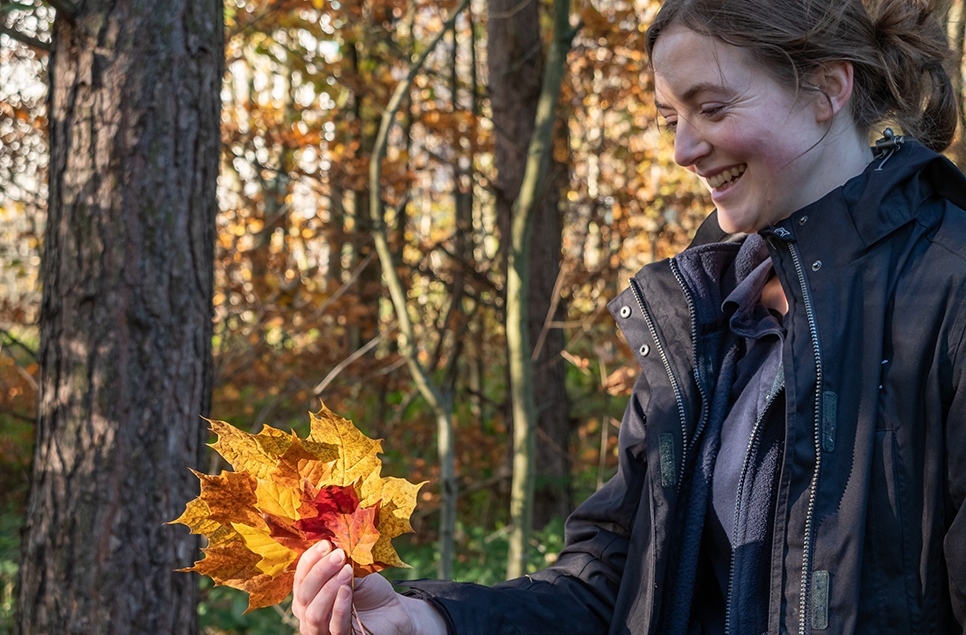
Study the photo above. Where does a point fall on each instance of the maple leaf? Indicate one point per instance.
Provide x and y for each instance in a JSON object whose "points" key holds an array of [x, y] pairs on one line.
{"points": [[340, 518], [286, 494]]}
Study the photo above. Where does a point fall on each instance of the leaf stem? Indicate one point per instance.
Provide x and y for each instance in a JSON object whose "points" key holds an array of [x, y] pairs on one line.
{"points": [[362, 629]]}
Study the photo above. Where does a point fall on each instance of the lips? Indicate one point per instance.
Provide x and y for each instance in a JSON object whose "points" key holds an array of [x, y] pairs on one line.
{"points": [[726, 177]]}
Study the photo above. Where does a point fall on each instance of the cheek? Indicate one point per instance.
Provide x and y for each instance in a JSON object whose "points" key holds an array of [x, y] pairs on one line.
{"points": [[750, 142]]}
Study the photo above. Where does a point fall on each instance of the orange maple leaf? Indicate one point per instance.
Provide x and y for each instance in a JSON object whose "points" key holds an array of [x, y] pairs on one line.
{"points": [[341, 519], [285, 495]]}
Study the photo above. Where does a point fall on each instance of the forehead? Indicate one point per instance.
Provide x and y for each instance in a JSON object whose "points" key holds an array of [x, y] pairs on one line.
{"points": [[687, 63]]}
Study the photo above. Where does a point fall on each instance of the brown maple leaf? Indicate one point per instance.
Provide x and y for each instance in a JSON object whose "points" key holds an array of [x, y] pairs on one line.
{"points": [[285, 495]]}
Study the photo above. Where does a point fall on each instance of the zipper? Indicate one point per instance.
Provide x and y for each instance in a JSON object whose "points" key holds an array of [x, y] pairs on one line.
{"points": [[816, 429], [705, 404], [741, 485], [667, 365]]}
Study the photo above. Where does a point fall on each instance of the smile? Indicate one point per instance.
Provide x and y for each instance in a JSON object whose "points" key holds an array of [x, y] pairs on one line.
{"points": [[726, 177]]}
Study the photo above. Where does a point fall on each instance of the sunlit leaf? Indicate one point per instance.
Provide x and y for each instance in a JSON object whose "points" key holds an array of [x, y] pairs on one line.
{"points": [[285, 495]]}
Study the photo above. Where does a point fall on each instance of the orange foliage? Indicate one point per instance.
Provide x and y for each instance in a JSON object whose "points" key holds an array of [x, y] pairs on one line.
{"points": [[288, 493]]}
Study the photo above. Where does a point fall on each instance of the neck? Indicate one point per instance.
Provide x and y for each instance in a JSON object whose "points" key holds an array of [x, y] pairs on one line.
{"points": [[844, 153]]}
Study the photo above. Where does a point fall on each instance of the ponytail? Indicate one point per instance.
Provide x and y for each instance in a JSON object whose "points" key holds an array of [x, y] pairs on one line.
{"points": [[913, 82]]}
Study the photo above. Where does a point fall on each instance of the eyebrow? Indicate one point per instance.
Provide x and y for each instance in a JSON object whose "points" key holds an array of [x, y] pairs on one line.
{"points": [[691, 93]]}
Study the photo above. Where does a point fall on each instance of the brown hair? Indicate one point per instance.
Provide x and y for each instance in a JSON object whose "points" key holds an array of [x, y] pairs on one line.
{"points": [[897, 49]]}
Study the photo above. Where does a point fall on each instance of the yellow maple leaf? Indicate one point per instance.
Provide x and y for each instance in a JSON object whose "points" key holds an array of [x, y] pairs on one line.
{"points": [[275, 558], [354, 453], [286, 494], [256, 454]]}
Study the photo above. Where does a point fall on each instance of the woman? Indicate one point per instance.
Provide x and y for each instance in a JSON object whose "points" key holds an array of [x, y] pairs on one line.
{"points": [[793, 458]]}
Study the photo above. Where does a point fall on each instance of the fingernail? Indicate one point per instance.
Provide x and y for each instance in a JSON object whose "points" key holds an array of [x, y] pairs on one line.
{"points": [[324, 547], [344, 593], [346, 573], [338, 554]]}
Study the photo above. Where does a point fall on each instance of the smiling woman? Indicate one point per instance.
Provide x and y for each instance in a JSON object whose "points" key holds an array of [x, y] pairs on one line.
{"points": [[793, 456], [762, 150]]}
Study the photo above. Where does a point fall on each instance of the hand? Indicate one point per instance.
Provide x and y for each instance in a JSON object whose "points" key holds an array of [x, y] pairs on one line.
{"points": [[323, 599]]}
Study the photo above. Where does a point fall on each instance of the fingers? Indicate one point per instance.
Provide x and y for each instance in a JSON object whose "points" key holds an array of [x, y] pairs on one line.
{"points": [[341, 621], [322, 592], [309, 558], [314, 569], [330, 612]]}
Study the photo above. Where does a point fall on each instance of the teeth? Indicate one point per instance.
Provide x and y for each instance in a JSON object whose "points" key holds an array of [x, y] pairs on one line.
{"points": [[720, 179]]}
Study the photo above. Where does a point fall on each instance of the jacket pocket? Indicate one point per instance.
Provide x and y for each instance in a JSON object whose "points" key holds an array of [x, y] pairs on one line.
{"points": [[884, 603]]}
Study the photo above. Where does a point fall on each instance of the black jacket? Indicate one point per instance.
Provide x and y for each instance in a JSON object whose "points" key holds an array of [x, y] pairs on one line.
{"points": [[870, 527]]}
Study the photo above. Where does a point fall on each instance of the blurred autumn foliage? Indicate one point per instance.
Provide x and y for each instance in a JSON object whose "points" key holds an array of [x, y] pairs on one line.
{"points": [[300, 311]]}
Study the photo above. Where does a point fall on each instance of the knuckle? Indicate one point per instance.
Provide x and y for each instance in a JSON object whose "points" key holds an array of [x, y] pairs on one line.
{"points": [[316, 618]]}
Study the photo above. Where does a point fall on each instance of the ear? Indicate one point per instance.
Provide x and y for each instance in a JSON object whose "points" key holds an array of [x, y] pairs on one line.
{"points": [[834, 82]]}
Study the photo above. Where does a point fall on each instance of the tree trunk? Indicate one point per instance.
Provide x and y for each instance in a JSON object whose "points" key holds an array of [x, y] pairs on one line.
{"points": [[515, 62], [125, 357], [539, 156], [553, 489]]}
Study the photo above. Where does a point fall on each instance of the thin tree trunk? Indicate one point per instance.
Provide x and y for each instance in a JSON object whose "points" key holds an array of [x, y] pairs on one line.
{"points": [[125, 318], [336, 237], [521, 372], [553, 489], [365, 327], [515, 60]]}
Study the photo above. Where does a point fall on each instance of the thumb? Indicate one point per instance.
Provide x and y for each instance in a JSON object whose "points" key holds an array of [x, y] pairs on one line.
{"points": [[372, 591]]}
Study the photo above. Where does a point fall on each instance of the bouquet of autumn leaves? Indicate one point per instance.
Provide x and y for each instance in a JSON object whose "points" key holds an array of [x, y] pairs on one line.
{"points": [[286, 494]]}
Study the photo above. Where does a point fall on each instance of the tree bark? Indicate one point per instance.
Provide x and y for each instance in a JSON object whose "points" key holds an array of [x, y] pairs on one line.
{"points": [[125, 355], [539, 156], [515, 61], [553, 488]]}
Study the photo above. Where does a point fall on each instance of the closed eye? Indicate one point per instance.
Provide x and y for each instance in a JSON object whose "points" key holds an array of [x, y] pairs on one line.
{"points": [[669, 125], [713, 110]]}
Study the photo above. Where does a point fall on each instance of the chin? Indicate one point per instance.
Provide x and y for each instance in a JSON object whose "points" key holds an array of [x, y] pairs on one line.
{"points": [[738, 222], [730, 226]]}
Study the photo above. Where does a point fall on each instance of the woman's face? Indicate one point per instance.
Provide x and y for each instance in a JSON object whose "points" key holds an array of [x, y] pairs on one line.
{"points": [[747, 137]]}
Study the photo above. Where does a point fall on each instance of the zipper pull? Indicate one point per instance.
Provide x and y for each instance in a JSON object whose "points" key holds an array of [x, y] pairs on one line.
{"points": [[889, 144], [785, 235]]}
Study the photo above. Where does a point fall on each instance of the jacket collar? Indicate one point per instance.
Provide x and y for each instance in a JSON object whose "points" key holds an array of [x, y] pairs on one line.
{"points": [[870, 206], [890, 192]]}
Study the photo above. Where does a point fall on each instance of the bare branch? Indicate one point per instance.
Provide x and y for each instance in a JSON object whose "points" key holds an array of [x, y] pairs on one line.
{"points": [[13, 340], [286, 616], [399, 363], [43, 47], [348, 360], [551, 311], [345, 287], [28, 378]]}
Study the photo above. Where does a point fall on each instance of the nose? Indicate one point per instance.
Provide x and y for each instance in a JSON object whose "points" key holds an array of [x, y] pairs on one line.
{"points": [[690, 146]]}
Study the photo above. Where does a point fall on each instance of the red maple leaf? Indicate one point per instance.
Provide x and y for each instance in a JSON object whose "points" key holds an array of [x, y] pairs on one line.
{"points": [[339, 518]]}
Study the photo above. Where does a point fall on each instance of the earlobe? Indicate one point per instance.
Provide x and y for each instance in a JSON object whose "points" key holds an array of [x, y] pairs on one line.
{"points": [[834, 81]]}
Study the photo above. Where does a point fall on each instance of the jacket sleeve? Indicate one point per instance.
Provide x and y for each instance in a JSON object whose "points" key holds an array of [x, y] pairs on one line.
{"points": [[954, 544], [576, 595]]}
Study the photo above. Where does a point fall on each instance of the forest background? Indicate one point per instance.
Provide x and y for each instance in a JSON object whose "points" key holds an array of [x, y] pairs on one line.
{"points": [[301, 309]]}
